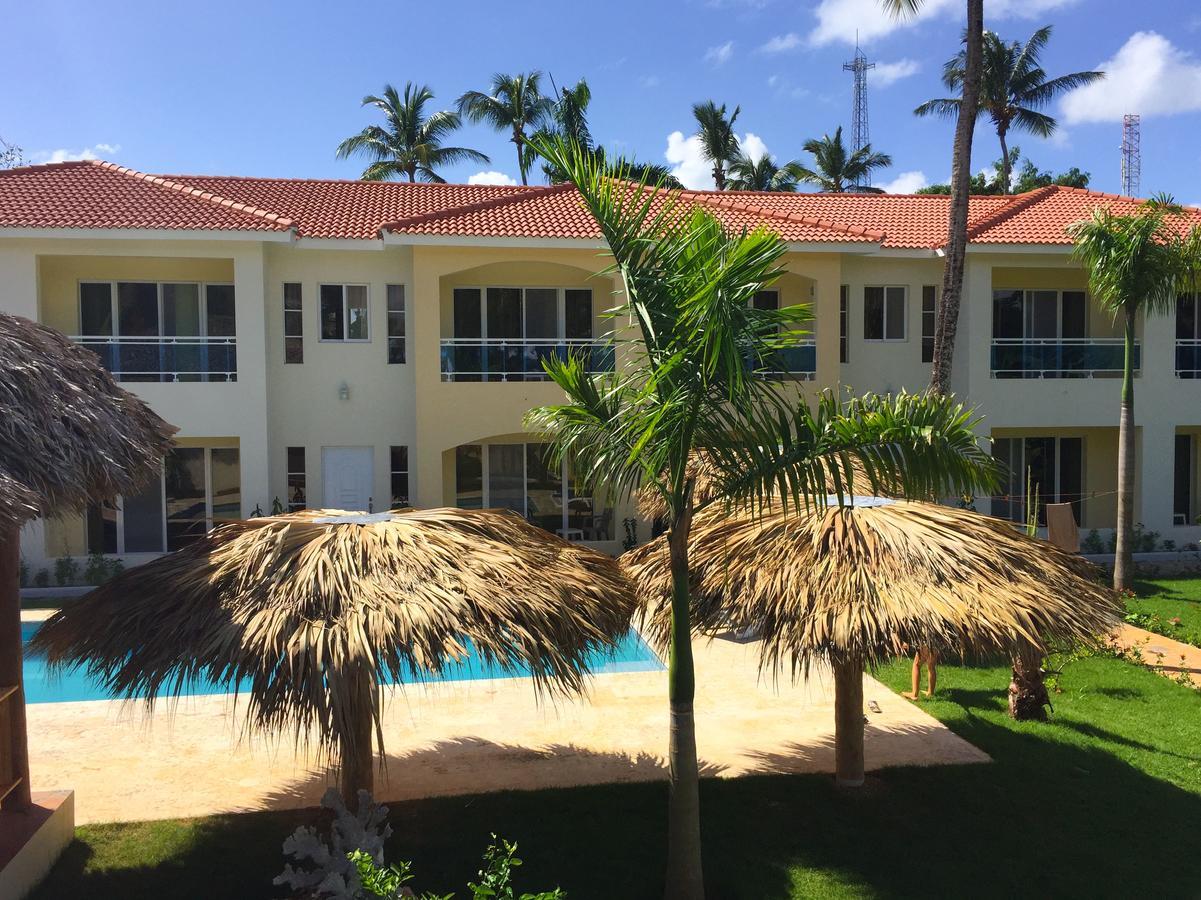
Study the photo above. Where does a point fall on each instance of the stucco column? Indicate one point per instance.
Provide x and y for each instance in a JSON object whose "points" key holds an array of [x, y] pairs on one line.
{"points": [[426, 463], [251, 325], [19, 282], [1155, 449], [973, 345]]}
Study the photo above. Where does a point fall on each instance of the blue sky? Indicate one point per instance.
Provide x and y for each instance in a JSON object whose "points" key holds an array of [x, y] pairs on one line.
{"points": [[269, 89]]}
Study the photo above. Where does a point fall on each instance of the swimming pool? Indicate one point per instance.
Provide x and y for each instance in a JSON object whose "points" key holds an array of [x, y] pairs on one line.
{"points": [[630, 655]]}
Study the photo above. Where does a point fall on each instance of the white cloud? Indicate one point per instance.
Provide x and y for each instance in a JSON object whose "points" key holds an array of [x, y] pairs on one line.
{"points": [[491, 177], [782, 43], [689, 165], [848, 20], [885, 74], [98, 151], [720, 54], [1148, 75], [905, 183]]}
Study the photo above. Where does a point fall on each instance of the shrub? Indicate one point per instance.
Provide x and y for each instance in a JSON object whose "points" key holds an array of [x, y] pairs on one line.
{"points": [[66, 571], [23, 573], [1092, 542], [42, 578], [96, 571], [349, 864]]}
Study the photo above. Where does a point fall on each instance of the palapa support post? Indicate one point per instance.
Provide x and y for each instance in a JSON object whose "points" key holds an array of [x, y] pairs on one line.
{"points": [[14, 739], [848, 722], [358, 758]]}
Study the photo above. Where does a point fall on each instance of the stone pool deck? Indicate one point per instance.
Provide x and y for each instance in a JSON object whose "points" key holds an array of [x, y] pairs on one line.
{"points": [[470, 737]]}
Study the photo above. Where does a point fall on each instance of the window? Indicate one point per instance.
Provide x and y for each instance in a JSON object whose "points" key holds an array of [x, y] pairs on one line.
{"points": [[843, 322], [523, 478], [1052, 465], [1039, 334], [884, 313], [396, 323], [344, 313], [1182, 487], [160, 331], [929, 320], [1188, 337], [293, 323], [400, 477], [199, 489], [766, 300], [505, 333], [297, 479]]}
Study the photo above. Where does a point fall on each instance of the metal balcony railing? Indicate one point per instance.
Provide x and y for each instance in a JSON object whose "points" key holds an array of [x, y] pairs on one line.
{"points": [[518, 359], [797, 361], [165, 358], [1188, 358], [1060, 357]]}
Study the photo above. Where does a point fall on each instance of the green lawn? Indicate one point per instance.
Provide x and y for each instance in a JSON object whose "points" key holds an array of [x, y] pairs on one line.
{"points": [[1170, 598], [1102, 802]]}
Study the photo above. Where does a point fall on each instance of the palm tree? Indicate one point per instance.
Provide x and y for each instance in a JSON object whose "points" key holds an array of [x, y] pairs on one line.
{"points": [[515, 105], [410, 144], [1134, 263], [947, 323], [835, 170], [763, 174], [1013, 88], [719, 144], [688, 287]]}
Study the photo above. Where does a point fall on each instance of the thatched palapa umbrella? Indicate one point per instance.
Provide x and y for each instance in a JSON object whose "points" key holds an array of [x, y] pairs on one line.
{"points": [[69, 436], [315, 609], [855, 584]]}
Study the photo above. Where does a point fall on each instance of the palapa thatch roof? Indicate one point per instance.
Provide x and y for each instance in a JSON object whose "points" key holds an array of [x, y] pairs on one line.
{"points": [[308, 605], [868, 579], [69, 436]]}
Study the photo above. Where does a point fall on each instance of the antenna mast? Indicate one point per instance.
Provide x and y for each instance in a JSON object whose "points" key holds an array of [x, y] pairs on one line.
{"points": [[859, 136], [1132, 159]]}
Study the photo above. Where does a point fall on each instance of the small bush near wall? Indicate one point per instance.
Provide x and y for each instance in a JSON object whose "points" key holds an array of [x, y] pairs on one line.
{"points": [[66, 571], [42, 578]]}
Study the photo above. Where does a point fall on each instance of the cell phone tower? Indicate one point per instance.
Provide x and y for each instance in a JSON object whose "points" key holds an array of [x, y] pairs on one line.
{"points": [[1132, 159], [859, 136]]}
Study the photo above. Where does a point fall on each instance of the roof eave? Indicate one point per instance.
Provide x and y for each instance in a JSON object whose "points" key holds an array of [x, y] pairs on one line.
{"points": [[156, 234]]}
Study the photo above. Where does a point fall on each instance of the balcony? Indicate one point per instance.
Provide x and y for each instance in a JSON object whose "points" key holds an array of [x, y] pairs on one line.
{"points": [[1060, 357], [798, 361], [518, 359], [165, 359], [1188, 358]]}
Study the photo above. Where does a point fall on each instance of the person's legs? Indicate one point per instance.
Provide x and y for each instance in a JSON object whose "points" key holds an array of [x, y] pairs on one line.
{"points": [[917, 676], [931, 672]]}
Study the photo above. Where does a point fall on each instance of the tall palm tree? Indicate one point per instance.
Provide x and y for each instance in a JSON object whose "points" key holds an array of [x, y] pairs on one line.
{"points": [[1134, 263], [1013, 88], [410, 144], [515, 105], [835, 170], [688, 286], [763, 174], [719, 144], [947, 323]]}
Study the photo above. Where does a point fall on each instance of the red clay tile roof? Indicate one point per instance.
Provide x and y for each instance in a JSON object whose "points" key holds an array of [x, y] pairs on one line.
{"points": [[95, 194]]}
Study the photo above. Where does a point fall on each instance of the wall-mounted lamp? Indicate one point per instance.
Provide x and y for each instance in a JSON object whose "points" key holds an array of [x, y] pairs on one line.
{"points": [[344, 391]]}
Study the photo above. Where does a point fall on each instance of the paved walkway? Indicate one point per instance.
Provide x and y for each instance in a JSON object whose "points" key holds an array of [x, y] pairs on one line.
{"points": [[472, 736], [1170, 657]]}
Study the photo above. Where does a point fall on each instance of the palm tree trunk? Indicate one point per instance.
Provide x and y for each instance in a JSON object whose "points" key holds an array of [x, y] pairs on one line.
{"points": [[1028, 697], [11, 675], [719, 176], [961, 177], [519, 140], [1006, 173], [685, 880], [358, 773], [848, 722], [1123, 564]]}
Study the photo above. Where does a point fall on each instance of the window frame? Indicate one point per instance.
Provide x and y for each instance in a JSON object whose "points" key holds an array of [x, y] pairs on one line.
{"points": [[114, 306], [393, 472], [343, 285], [1019, 499], [560, 310], [844, 323], [290, 473], [885, 339], [298, 315], [396, 340], [932, 313]]}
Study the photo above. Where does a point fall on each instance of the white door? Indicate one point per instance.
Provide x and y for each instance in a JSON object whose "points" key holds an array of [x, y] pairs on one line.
{"points": [[346, 477]]}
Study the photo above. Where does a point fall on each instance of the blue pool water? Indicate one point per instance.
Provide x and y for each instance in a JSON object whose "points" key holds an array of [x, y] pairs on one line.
{"points": [[631, 655]]}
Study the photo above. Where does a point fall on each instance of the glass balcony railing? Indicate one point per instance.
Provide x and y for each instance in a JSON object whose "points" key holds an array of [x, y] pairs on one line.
{"points": [[517, 359], [797, 361], [1060, 357], [1188, 358], [165, 358]]}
